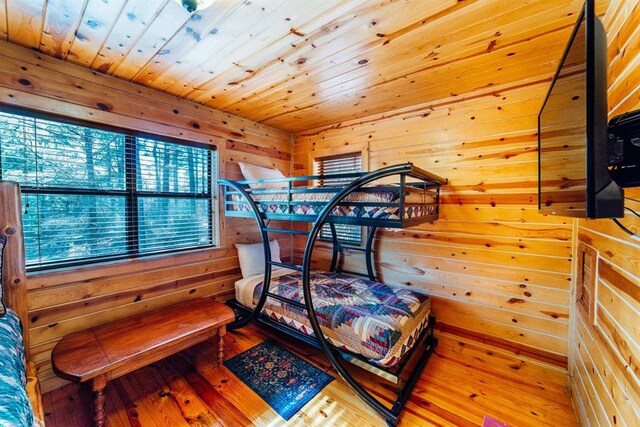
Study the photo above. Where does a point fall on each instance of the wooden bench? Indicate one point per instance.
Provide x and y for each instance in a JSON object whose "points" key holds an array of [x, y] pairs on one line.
{"points": [[109, 351]]}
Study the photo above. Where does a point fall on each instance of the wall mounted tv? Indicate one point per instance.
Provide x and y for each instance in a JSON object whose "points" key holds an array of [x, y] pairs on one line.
{"points": [[574, 178]]}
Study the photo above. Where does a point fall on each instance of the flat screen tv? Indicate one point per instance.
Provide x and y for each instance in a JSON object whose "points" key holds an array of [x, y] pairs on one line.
{"points": [[573, 175]]}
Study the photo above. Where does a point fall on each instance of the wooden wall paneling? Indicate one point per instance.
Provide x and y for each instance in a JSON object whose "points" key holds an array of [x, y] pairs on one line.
{"points": [[584, 368], [447, 48], [3, 19], [142, 108], [493, 265], [404, 48], [623, 255], [24, 27], [342, 34], [605, 363], [168, 20], [500, 109], [61, 22], [280, 27], [133, 21], [617, 306], [465, 73], [198, 29], [65, 301], [624, 390], [604, 374], [97, 22], [302, 65], [126, 283], [434, 266]]}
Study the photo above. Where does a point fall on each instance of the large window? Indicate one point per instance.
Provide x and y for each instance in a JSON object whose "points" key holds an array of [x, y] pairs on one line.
{"points": [[93, 195], [349, 163]]}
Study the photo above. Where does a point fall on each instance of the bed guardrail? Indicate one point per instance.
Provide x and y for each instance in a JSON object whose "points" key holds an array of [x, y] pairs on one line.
{"points": [[412, 199]]}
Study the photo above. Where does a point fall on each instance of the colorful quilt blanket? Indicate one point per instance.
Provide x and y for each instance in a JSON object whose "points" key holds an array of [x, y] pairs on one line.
{"points": [[379, 321], [15, 409], [417, 202]]}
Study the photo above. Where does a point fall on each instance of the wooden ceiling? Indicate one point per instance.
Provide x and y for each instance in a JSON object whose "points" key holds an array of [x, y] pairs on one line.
{"points": [[299, 64]]}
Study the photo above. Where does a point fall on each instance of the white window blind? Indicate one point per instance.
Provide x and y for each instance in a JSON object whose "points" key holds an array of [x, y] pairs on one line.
{"points": [[94, 195], [349, 163]]}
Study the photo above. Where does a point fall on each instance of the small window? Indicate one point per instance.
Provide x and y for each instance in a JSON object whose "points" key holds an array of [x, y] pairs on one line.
{"points": [[92, 195], [349, 163]]}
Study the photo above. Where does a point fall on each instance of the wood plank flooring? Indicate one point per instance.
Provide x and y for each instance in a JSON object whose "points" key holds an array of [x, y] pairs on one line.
{"points": [[464, 381]]}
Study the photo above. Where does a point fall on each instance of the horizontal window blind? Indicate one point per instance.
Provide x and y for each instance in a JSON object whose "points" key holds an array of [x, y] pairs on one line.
{"points": [[351, 234], [92, 195], [337, 165]]}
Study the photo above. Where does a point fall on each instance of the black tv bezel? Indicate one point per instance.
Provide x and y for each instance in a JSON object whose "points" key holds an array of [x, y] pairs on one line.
{"points": [[604, 198]]}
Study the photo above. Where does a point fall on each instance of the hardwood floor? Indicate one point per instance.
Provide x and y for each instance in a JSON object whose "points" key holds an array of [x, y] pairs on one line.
{"points": [[464, 381]]}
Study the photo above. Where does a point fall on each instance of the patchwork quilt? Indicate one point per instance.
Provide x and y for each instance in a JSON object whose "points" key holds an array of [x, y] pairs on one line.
{"points": [[15, 409], [379, 321], [417, 202]]}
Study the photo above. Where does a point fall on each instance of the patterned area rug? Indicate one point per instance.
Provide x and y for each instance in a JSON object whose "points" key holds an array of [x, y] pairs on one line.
{"points": [[282, 379]]}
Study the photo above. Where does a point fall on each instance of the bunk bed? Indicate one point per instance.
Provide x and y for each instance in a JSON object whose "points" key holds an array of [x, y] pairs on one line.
{"points": [[385, 329]]}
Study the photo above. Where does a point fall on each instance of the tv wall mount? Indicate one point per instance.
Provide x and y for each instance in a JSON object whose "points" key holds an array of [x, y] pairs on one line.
{"points": [[623, 149]]}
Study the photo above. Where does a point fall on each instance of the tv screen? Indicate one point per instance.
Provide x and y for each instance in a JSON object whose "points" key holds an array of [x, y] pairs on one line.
{"points": [[572, 130]]}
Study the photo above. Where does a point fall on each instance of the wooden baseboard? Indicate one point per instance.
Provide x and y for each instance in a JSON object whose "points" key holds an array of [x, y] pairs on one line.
{"points": [[544, 356]]}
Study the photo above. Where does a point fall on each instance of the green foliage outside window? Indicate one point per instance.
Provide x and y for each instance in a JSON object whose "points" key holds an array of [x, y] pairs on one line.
{"points": [[91, 194]]}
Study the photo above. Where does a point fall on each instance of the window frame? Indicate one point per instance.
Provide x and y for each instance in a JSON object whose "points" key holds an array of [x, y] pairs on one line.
{"points": [[337, 152], [130, 194]]}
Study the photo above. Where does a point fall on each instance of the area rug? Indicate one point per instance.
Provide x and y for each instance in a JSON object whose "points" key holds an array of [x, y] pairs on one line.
{"points": [[282, 379]]}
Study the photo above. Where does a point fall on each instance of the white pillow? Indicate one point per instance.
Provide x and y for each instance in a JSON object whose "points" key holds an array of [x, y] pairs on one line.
{"points": [[253, 172], [251, 257]]}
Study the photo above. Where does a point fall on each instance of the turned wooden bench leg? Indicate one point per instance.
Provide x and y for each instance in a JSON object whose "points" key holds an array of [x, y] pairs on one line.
{"points": [[221, 332], [99, 413]]}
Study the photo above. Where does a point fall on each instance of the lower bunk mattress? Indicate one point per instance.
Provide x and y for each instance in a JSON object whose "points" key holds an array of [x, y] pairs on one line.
{"points": [[379, 321]]}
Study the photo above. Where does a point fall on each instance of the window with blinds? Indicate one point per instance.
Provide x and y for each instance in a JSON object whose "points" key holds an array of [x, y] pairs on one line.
{"points": [[350, 234], [94, 195]]}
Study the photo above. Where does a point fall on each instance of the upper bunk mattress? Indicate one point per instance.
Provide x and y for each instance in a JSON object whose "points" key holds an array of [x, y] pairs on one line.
{"points": [[309, 201], [379, 321]]}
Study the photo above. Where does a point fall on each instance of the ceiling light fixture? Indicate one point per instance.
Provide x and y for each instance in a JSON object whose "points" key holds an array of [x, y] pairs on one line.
{"points": [[193, 5]]}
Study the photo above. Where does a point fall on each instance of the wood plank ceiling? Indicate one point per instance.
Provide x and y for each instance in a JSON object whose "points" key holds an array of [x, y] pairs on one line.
{"points": [[299, 64]]}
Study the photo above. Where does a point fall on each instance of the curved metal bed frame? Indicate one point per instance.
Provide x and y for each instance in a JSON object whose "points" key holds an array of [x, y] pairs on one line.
{"points": [[392, 414]]}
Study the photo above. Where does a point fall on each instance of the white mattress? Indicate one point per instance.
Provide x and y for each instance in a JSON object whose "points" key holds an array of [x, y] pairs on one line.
{"points": [[246, 286]]}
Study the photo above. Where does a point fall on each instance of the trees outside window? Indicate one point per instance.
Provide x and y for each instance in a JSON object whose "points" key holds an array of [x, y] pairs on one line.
{"points": [[91, 194]]}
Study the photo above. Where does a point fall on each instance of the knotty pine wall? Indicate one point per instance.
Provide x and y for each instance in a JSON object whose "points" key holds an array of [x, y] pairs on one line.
{"points": [[605, 358], [493, 266], [66, 301]]}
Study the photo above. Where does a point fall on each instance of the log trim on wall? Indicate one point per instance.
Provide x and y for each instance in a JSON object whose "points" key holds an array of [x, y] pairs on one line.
{"points": [[60, 302]]}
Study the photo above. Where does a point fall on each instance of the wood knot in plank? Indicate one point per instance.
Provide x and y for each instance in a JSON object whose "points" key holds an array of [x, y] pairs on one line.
{"points": [[104, 107]]}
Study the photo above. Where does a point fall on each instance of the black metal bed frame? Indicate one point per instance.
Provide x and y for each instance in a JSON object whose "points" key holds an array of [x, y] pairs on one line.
{"points": [[407, 372]]}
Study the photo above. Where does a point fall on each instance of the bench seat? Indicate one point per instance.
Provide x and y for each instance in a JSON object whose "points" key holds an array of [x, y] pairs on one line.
{"points": [[108, 351]]}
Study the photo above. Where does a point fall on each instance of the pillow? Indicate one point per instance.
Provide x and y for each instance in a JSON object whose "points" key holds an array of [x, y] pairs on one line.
{"points": [[253, 172], [251, 257], [3, 243]]}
